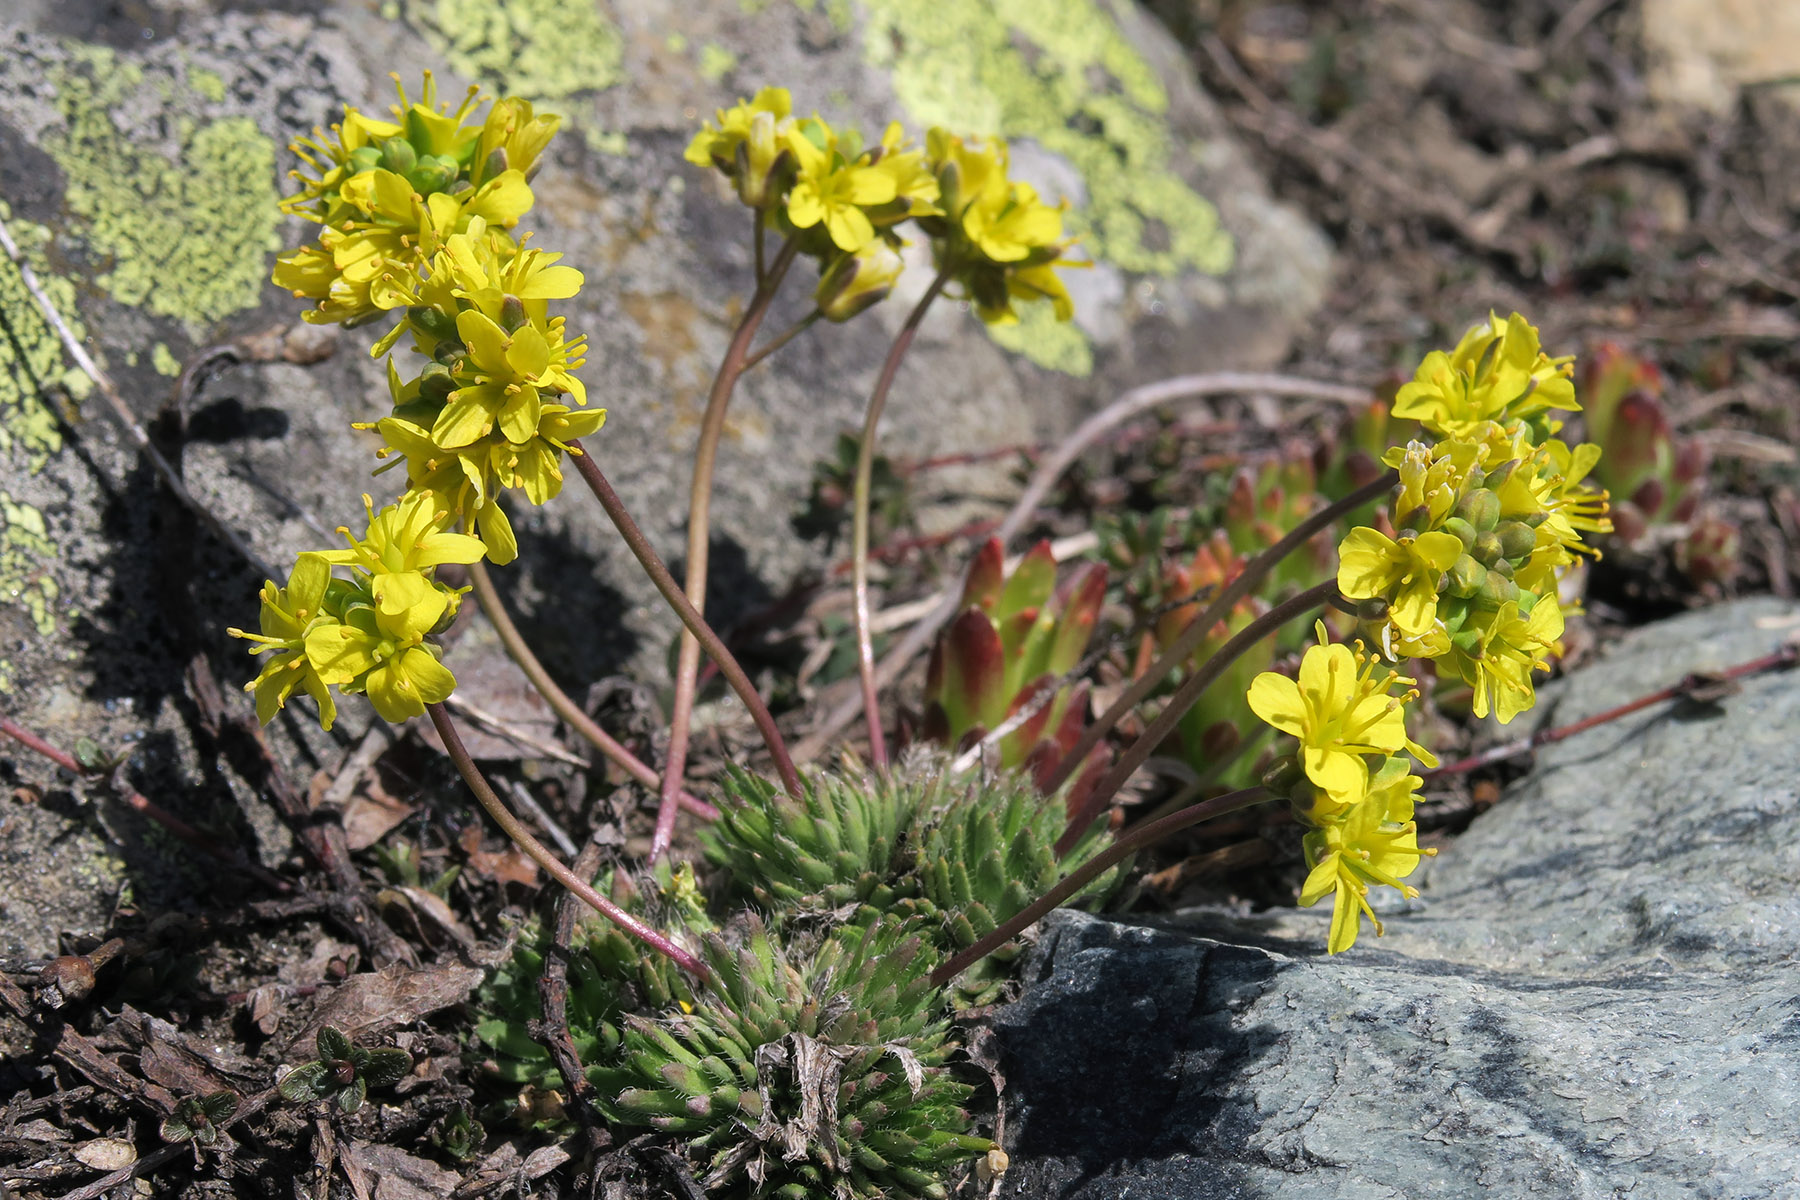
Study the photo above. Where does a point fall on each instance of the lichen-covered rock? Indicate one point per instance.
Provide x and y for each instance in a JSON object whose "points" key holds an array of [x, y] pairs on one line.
{"points": [[1595, 994], [141, 149]]}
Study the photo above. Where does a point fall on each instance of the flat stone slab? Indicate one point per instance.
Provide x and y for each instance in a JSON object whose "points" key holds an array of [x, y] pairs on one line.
{"points": [[1595, 995]]}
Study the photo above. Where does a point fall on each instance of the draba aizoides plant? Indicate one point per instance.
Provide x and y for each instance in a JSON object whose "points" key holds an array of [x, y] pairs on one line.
{"points": [[797, 1034]]}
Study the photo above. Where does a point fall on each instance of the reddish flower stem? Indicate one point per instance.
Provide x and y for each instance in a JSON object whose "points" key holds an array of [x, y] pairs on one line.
{"points": [[1127, 845], [690, 616], [706, 453], [1254, 572], [541, 855], [143, 805], [516, 647], [1189, 692], [859, 519]]}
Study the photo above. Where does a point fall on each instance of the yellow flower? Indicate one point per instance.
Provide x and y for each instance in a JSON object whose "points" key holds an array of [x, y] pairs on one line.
{"points": [[998, 242], [1497, 373], [718, 147], [1497, 653], [512, 138], [1376, 842], [1405, 573], [1341, 711], [288, 613], [383, 655], [833, 189], [504, 388], [403, 541], [916, 190]]}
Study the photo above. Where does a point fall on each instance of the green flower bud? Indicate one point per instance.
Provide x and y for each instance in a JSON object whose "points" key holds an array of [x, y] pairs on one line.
{"points": [[1375, 608], [1461, 530], [436, 383], [1453, 612], [431, 322], [449, 351], [856, 281], [432, 174], [1466, 577], [398, 155], [1415, 521], [1503, 567], [1499, 475], [1497, 590], [1480, 508], [364, 158], [1486, 549], [495, 164], [1517, 539], [512, 313], [763, 159], [1284, 775]]}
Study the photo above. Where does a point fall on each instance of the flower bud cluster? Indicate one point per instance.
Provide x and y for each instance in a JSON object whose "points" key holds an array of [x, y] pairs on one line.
{"points": [[365, 634], [1485, 521], [1351, 782], [844, 203]]}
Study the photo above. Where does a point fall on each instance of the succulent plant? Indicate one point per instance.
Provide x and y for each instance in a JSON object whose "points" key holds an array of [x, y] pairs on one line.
{"points": [[985, 850], [609, 976], [1654, 478], [834, 845], [1016, 636], [821, 1074]]}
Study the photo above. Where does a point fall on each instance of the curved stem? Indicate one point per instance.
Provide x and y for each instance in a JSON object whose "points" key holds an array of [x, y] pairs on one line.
{"points": [[521, 836], [482, 584], [1193, 685], [789, 334], [690, 616], [1133, 403], [859, 536], [1127, 845], [1254, 572], [706, 453]]}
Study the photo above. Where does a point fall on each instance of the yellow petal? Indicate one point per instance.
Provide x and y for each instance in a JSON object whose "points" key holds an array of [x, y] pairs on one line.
{"points": [[1276, 699]]}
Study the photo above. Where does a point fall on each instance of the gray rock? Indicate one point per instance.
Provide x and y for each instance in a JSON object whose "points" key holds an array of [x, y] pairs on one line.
{"points": [[1595, 995], [140, 148]]}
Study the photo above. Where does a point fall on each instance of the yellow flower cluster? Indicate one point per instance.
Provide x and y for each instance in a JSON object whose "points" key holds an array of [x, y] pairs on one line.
{"points": [[994, 240], [414, 217], [1354, 784], [1487, 518], [365, 634]]}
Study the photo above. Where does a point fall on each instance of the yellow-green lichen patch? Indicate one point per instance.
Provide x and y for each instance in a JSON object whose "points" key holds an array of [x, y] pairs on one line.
{"points": [[186, 236], [1051, 344], [715, 62], [32, 367], [164, 360], [1062, 74], [538, 49], [25, 555], [207, 83]]}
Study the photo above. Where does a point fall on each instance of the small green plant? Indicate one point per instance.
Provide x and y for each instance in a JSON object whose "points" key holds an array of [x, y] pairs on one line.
{"points": [[458, 1134], [197, 1119], [343, 1072]]}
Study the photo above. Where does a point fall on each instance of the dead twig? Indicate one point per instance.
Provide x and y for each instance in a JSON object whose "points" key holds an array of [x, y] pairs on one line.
{"points": [[553, 994]]}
